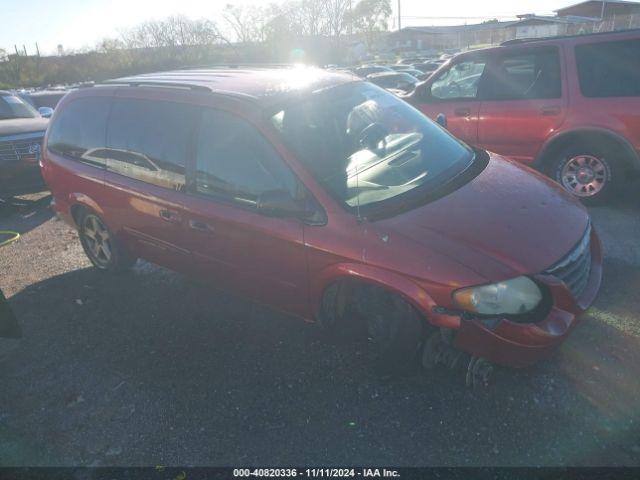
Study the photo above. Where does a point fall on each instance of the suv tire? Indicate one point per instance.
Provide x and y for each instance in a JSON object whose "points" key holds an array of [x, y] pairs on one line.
{"points": [[586, 172]]}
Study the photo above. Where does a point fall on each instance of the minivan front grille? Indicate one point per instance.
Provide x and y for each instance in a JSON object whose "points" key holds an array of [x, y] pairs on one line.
{"points": [[19, 148], [575, 267]]}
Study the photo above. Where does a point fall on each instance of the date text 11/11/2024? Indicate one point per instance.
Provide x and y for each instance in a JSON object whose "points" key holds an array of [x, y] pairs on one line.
{"points": [[317, 472]]}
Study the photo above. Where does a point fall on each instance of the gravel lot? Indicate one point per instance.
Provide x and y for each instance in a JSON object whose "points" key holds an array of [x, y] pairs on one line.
{"points": [[152, 368]]}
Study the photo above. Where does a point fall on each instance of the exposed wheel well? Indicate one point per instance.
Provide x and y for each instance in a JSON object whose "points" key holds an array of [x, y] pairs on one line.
{"points": [[76, 211], [344, 293], [622, 153]]}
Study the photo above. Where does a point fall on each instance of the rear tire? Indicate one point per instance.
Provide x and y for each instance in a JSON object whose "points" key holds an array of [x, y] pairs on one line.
{"points": [[589, 173], [101, 246]]}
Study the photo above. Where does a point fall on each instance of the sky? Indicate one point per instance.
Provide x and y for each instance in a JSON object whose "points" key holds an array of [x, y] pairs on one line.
{"points": [[82, 23]]}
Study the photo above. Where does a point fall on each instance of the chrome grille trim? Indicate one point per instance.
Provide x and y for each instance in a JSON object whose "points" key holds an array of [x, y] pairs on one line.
{"points": [[575, 267], [17, 148]]}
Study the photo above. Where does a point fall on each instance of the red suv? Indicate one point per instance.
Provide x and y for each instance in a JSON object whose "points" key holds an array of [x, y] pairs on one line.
{"points": [[570, 106], [328, 198]]}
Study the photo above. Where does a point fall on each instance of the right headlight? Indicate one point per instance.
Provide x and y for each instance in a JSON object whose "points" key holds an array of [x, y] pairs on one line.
{"points": [[511, 297]]}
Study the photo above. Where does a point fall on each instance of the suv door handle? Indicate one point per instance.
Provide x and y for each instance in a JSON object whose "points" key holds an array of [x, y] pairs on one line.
{"points": [[550, 111], [169, 216], [462, 112], [200, 226]]}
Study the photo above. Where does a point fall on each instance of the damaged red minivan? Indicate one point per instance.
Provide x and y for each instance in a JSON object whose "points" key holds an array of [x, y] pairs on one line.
{"points": [[329, 198]]}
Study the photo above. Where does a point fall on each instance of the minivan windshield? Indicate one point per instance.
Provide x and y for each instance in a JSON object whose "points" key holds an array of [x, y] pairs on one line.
{"points": [[12, 106], [366, 146]]}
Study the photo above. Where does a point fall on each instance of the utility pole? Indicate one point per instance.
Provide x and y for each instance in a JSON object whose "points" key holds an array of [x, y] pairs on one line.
{"points": [[399, 16]]}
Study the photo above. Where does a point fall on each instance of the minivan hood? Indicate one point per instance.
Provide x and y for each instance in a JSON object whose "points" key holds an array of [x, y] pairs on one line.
{"points": [[507, 221], [16, 126]]}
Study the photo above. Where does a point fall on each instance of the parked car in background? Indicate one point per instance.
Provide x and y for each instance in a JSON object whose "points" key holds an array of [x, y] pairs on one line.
{"points": [[365, 70], [22, 130], [569, 106], [427, 67], [329, 198], [43, 98], [416, 73], [400, 81]]}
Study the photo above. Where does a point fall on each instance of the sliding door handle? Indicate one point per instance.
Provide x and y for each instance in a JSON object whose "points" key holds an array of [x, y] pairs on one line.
{"points": [[462, 112], [550, 111], [200, 226]]}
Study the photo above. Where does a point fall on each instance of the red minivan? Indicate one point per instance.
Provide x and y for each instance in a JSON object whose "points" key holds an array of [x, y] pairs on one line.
{"points": [[328, 198], [569, 106]]}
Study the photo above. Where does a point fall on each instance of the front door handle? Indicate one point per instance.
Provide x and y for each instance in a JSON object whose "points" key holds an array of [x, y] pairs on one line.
{"points": [[170, 216], [200, 226], [550, 111], [462, 112]]}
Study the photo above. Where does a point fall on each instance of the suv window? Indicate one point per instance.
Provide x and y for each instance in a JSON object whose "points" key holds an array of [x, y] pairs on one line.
{"points": [[459, 82], [149, 141], [12, 106], [609, 69], [78, 131], [235, 162], [534, 74]]}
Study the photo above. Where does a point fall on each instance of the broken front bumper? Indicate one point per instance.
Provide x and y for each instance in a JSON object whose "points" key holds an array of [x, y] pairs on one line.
{"points": [[522, 344]]}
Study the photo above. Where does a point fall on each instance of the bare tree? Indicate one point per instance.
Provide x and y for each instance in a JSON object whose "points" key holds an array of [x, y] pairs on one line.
{"points": [[338, 15], [248, 22], [369, 17], [175, 31]]}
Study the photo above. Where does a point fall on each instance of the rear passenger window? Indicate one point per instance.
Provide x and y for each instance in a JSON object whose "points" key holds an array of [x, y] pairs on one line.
{"points": [[609, 69], [525, 76], [149, 141], [461, 81], [235, 162], [78, 132]]}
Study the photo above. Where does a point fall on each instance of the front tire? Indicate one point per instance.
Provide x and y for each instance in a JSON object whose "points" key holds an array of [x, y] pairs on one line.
{"points": [[588, 173], [101, 246]]}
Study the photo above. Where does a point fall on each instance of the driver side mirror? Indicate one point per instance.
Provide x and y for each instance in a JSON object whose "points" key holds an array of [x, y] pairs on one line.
{"points": [[441, 120], [45, 112], [280, 203]]}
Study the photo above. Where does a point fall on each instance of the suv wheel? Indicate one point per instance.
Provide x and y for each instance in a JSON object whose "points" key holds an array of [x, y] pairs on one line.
{"points": [[101, 246], [586, 173]]}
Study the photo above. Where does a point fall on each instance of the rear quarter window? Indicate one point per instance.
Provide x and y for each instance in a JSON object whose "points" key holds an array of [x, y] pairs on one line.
{"points": [[80, 129], [609, 69]]}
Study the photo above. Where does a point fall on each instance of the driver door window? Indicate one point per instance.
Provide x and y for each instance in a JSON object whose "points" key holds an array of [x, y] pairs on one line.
{"points": [[461, 81], [234, 162]]}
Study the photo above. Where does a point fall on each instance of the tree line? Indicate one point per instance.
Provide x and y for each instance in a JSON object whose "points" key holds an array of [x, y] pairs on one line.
{"points": [[315, 31]]}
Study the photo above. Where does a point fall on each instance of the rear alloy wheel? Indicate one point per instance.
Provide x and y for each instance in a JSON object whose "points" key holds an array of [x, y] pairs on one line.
{"points": [[585, 173], [101, 246]]}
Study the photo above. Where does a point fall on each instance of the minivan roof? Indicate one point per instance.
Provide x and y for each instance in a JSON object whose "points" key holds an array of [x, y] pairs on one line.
{"points": [[265, 85]]}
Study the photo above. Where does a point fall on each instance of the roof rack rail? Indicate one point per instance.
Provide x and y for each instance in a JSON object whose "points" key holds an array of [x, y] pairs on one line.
{"points": [[516, 41], [233, 65], [156, 83]]}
